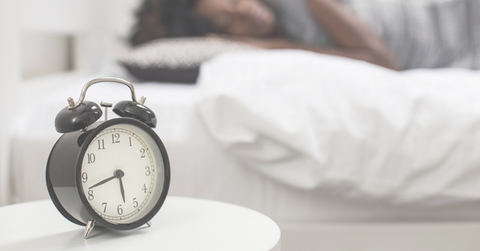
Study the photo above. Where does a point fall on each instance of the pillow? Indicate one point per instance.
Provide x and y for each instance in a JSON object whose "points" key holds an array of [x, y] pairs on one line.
{"points": [[175, 59]]}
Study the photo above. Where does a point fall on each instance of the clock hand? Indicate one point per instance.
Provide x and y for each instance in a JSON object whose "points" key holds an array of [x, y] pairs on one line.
{"points": [[119, 174], [103, 182], [121, 190]]}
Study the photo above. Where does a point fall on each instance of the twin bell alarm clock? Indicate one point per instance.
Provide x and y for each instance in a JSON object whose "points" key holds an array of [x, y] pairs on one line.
{"points": [[113, 173]]}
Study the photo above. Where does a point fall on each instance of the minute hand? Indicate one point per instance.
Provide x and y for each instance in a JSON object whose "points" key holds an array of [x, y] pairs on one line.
{"points": [[122, 191], [103, 182], [119, 174]]}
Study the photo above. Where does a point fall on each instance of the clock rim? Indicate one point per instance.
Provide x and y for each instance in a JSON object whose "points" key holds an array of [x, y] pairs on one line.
{"points": [[166, 164]]}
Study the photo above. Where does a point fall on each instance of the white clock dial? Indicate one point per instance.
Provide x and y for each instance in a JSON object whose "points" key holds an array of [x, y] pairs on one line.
{"points": [[122, 173]]}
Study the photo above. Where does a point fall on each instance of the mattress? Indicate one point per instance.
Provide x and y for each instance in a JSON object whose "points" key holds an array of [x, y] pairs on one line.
{"points": [[201, 166]]}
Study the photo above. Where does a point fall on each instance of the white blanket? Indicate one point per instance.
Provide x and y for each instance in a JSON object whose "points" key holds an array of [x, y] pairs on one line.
{"points": [[322, 122]]}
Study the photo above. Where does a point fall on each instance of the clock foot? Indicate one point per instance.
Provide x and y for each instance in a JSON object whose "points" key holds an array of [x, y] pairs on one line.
{"points": [[149, 224], [88, 228]]}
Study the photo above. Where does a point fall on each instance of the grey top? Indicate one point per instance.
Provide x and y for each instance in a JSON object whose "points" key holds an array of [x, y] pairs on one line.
{"points": [[420, 33], [297, 24]]}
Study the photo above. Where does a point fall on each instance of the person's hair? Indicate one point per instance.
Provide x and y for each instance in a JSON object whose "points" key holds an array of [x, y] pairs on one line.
{"points": [[168, 18]]}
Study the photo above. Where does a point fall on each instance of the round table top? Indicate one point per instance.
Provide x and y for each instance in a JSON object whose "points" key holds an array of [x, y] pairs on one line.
{"points": [[181, 224]]}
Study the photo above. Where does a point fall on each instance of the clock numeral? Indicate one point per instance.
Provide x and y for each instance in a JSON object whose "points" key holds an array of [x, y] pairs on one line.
{"points": [[101, 144], [91, 158], [104, 204], [147, 171], [84, 177], [90, 195], [144, 188], [115, 138], [130, 141], [119, 209], [142, 151], [135, 203]]}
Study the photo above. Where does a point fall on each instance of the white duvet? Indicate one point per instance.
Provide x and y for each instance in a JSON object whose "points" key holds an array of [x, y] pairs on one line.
{"points": [[321, 122]]}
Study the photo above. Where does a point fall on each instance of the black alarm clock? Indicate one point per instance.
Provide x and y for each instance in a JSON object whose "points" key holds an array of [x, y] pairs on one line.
{"points": [[113, 173]]}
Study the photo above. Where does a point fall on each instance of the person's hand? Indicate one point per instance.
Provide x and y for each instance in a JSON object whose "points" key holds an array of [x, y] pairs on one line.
{"points": [[266, 43]]}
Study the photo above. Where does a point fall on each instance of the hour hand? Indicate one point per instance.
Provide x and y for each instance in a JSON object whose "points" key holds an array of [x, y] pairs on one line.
{"points": [[103, 182]]}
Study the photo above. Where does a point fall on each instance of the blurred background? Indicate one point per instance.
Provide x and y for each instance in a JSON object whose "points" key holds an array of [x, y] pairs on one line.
{"points": [[46, 43], [42, 38]]}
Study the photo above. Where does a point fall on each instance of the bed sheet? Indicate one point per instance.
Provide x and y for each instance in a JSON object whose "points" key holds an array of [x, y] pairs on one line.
{"points": [[200, 166], [318, 122]]}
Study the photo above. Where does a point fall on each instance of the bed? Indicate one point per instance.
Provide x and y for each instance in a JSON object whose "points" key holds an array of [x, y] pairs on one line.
{"points": [[342, 154]]}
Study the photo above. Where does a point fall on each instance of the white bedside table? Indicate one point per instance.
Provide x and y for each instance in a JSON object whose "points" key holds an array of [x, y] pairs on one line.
{"points": [[181, 224]]}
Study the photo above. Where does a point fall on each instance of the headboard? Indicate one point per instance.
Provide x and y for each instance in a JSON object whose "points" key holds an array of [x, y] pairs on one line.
{"points": [[89, 33]]}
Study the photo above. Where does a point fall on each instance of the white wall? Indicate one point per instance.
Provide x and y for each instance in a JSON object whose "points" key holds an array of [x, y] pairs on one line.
{"points": [[43, 54], [91, 30], [9, 83]]}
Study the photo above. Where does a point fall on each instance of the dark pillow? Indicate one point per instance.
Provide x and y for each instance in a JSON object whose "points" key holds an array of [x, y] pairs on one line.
{"points": [[175, 59]]}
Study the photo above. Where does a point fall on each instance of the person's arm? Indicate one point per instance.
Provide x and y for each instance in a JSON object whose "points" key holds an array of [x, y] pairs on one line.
{"points": [[354, 39]]}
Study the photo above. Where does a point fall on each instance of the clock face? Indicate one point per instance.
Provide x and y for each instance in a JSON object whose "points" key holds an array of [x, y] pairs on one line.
{"points": [[122, 173]]}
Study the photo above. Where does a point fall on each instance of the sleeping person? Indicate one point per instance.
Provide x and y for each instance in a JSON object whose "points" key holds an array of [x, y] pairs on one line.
{"points": [[396, 34]]}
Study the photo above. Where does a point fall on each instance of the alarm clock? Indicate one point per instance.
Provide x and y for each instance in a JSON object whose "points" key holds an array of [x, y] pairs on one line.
{"points": [[113, 173]]}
